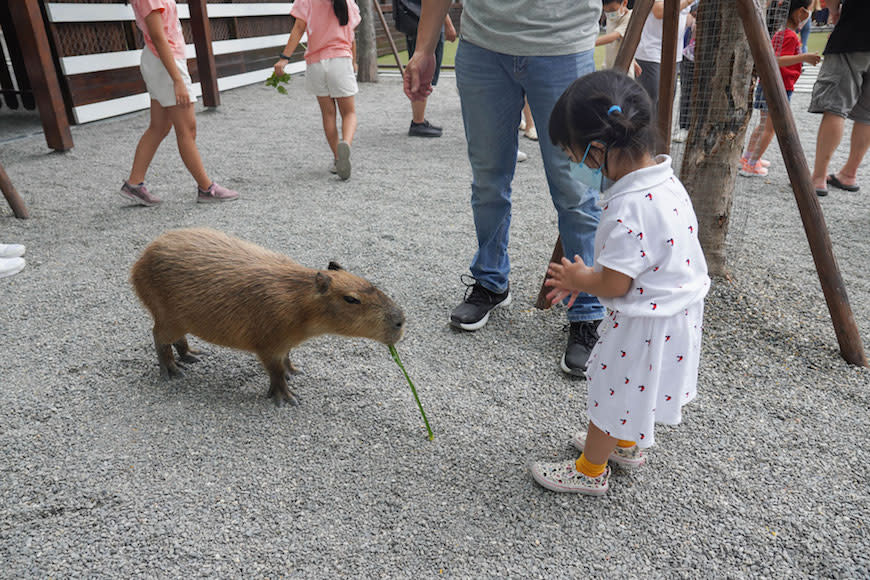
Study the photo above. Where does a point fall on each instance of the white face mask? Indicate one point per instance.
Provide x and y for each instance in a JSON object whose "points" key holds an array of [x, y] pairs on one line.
{"points": [[611, 16]]}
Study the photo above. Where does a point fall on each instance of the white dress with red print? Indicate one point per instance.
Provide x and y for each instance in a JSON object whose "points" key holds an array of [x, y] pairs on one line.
{"points": [[645, 365]]}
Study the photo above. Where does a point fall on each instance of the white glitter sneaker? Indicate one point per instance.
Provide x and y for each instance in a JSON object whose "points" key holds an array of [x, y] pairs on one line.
{"points": [[564, 477], [624, 456]]}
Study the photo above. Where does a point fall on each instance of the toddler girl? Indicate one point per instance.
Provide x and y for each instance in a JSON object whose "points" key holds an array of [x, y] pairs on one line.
{"points": [[164, 69], [330, 60], [649, 272], [787, 46]]}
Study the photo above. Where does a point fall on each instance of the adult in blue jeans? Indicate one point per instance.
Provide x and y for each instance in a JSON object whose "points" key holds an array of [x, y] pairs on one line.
{"points": [[508, 51]]}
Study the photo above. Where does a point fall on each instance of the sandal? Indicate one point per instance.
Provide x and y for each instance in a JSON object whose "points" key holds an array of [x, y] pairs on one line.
{"points": [[832, 180]]}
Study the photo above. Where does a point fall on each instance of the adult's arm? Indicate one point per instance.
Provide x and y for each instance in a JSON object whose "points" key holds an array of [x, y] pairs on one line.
{"points": [[421, 67]]}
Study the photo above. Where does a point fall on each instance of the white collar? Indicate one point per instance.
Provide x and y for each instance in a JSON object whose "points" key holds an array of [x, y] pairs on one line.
{"points": [[641, 179]]}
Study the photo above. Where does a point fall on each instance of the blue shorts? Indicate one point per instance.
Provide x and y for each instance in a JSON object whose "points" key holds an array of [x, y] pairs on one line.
{"points": [[759, 102]]}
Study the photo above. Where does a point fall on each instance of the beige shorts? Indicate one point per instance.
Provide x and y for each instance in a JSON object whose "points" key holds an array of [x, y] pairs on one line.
{"points": [[157, 79], [332, 77]]}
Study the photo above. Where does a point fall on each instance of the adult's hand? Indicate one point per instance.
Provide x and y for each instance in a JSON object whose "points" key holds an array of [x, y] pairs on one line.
{"points": [[418, 76]]}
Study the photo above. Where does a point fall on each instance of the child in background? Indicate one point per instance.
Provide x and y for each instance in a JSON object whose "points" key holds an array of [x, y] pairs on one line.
{"points": [[787, 45], [617, 14], [164, 69], [649, 272], [330, 73]]}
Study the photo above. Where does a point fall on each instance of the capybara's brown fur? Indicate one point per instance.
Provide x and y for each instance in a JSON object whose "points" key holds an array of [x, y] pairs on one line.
{"points": [[234, 293]]}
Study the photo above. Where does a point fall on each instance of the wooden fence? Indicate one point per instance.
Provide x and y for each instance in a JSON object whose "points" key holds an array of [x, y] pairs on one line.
{"points": [[96, 47]]}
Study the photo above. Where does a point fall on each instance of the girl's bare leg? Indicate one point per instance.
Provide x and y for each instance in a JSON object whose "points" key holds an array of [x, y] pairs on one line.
{"points": [[157, 130], [184, 121], [330, 122], [347, 108]]}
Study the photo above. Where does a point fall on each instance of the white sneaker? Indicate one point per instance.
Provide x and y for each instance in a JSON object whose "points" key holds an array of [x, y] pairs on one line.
{"points": [[11, 250], [521, 156], [531, 133], [522, 124], [11, 266], [332, 168], [681, 135]]}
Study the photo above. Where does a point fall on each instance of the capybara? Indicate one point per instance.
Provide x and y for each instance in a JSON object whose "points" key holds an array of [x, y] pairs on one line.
{"points": [[234, 293]]}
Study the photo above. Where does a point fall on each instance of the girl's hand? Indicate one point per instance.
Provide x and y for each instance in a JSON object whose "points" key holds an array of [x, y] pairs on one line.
{"points": [[279, 67], [566, 278], [813, 58], [182, 97]]}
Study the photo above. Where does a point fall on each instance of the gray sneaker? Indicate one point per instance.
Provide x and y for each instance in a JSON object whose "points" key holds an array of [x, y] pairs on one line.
{"points": [[342, 161], [139, 194], [216, 193]]}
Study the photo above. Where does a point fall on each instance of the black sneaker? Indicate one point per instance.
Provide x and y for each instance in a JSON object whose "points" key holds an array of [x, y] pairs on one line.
{"points": [[475, 308], [424, 129], [582, 337]]}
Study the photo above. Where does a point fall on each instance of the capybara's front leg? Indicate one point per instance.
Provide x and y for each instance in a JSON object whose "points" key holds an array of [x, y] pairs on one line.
{"points": [[168, 368], [278, 389], [185, 353], [289, 369]]}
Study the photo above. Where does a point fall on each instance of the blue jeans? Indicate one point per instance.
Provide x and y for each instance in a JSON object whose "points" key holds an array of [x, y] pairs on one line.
{"points": [[491, 89]]}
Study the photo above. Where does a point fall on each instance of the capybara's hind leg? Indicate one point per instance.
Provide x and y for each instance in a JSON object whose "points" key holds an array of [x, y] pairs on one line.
{"points": [[185, 353], [168, 368], [278, 389]]}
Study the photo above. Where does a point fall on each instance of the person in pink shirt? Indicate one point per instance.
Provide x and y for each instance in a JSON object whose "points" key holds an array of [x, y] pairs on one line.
{"points": [[164, 70], [330, 73]]}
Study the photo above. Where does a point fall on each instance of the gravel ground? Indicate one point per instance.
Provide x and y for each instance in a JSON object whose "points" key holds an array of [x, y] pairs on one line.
{"points": [[106, 471]]}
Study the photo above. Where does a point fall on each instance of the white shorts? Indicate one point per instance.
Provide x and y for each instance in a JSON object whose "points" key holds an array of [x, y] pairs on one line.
{"points": [[157, 79], [331, 77]]}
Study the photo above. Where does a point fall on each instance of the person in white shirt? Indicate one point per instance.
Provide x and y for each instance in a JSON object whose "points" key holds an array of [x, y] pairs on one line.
{"points": [[649, 49], [649, 272]]}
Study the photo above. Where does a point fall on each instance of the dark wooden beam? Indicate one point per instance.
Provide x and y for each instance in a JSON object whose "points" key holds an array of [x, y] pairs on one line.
{"points": [[36, 52], [201, 30], [845, 327], [668, 76], [11, 195]]}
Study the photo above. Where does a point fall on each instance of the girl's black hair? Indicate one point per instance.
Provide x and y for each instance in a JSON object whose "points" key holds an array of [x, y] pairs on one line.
{"points": [[584, 113], [777, 17], [340, 9]]}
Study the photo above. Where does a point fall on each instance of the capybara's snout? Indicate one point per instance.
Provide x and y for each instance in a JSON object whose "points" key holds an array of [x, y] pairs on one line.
{"points": [[395, 325]]}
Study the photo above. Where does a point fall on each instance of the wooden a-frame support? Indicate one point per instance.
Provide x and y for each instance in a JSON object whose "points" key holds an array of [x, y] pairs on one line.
{"points": [[845, 327]]}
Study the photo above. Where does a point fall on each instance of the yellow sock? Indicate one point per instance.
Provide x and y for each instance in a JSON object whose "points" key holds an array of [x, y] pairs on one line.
{"points": [[589, 469], [625, 444]]}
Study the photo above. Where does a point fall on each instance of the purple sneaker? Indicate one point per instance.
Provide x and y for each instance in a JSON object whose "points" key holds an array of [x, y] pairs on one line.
{"points": [[139, 194], [216, 193]]}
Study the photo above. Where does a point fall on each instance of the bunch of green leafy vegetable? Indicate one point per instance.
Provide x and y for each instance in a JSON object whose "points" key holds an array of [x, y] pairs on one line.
{"points": [[278, 82]]}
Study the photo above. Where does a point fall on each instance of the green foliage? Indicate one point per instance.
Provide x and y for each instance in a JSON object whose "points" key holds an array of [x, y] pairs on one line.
{"points": [[278, 82]]}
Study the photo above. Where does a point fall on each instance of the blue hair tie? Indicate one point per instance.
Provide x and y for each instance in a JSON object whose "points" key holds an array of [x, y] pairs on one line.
{"points": [[614, 109]]}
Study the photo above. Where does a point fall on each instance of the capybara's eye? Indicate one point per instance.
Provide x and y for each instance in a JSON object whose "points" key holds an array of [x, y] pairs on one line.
{"points": [[351, 300]]}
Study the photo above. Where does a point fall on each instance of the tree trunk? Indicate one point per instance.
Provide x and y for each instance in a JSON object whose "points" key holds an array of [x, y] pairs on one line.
{"points": [[721, 107], [367, 44]]}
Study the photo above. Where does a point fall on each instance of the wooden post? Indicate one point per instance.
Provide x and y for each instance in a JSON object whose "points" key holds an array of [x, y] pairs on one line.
{"points": [[623, 61], [201, 29], [389, 36], [27, 20], [11, 195], [845, 327], [667, 78]]}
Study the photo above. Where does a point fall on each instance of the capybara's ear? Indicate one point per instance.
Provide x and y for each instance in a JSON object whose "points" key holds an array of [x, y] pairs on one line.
{"points": [[322, 282], [334, 266]]}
